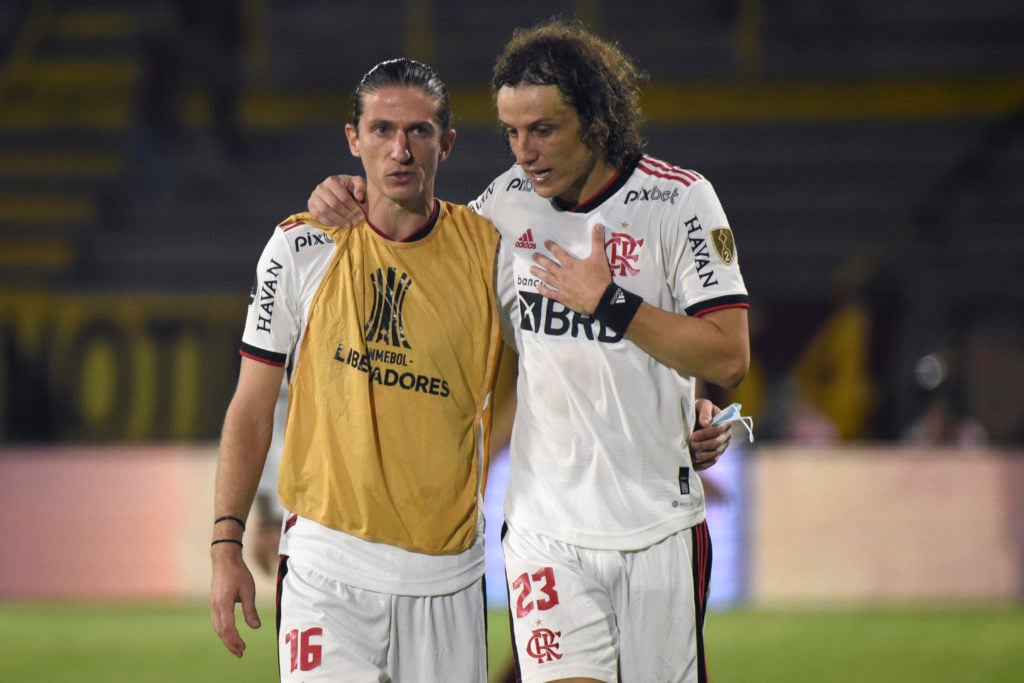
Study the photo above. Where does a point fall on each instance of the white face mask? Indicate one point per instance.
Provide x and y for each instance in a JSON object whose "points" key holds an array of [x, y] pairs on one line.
{"points": [[732, 414]]}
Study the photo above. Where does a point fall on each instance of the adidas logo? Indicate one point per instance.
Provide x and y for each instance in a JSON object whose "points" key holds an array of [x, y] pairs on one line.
{"points": [[618, 297], [525, 240]]}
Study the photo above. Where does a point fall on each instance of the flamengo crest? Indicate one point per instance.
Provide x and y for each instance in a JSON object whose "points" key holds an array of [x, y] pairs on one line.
{"points": [[623, 254]]}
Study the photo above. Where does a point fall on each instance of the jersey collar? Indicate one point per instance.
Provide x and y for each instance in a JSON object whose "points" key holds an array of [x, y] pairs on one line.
{"points": [[427, 228], [610, 188]]}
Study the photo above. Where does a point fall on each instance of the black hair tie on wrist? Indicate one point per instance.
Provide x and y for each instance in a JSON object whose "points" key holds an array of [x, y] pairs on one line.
{"points": [[230, 518]]}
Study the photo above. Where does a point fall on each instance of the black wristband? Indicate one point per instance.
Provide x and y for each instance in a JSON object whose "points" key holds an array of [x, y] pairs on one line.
{"points": [[617, 308], [230, 518], [227, 540]]}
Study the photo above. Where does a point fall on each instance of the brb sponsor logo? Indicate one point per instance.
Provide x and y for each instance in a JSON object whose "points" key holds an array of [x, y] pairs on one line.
{"points": [[655, 194], [542, 315]]}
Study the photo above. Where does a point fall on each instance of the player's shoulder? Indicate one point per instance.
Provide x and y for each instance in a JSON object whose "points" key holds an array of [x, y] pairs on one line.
{"points": [[653, 170], [303, 233], [471, 223], [465, 214], [512, 183]]}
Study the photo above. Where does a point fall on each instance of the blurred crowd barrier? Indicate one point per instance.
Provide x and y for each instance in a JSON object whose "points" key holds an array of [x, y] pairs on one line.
{"points": [[819, 526], [117, 367]]}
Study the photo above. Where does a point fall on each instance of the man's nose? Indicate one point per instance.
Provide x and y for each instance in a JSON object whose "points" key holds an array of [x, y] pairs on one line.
{"points": [[400, 148], [522, 149]]}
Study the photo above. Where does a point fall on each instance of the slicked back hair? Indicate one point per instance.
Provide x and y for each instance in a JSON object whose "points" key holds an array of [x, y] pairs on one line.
{"points": [[404, 72]]}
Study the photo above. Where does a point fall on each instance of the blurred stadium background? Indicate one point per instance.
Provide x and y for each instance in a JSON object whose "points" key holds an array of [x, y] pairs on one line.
{"points": [[870, 155]]}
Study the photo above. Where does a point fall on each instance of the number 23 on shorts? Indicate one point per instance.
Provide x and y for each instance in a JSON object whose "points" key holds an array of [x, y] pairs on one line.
{"points": [[535, 591]]}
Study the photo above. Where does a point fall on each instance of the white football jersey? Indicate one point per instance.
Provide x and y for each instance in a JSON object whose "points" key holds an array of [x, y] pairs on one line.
{"points": [[599, 447]]}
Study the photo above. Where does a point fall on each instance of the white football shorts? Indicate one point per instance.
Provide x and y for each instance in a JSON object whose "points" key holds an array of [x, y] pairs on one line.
{"points": [[331, 631], [608, 614]]}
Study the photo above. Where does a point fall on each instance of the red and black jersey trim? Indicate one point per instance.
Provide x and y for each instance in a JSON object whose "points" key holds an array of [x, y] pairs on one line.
{"points": [[701, 590], [286, 226], [661, 169], [427, 228], [282, 571], [262, 355], [718, 303], [602, 195]]}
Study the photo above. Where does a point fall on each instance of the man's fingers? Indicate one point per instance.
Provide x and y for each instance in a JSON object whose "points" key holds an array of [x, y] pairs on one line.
{"points": [[597, 239], [224, 625], [338, 201], [251, 617], [702, 465], [358, 189], [705, 412]]}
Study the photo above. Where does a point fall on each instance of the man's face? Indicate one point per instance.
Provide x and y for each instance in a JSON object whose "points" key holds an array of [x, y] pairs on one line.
{"points": [[544, 135], [400, 143]]}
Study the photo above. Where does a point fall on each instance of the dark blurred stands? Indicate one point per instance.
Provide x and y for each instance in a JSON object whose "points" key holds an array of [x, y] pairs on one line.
{"points": [[864, 147]]}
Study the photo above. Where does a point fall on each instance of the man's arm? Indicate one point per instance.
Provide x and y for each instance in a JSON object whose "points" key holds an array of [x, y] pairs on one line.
{"points": [[245, 439], [714, 347]]}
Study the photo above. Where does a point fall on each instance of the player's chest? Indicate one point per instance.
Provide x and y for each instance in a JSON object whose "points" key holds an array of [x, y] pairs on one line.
{"points": [[632, 239]]}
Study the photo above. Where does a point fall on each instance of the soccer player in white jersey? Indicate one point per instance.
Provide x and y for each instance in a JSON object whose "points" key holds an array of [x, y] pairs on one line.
{"points": [[391, 332], [626, 287]]}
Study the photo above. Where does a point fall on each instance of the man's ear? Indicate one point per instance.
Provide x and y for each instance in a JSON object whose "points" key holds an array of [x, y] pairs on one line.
{"points": [[353, 139], [447, 142]]}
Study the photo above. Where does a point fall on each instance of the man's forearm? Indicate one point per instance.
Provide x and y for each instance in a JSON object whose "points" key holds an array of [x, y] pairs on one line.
{"points": [[714, 348], [243, 451]]}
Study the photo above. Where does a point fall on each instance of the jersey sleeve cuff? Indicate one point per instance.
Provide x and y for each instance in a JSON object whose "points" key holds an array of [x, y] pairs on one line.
{"points": [[717, 304], [262, 355]]}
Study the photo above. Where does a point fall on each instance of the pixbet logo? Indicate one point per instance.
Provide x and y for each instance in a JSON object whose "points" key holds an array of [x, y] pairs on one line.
{"points": [[311, 239], [521, 184], [655, 194]]}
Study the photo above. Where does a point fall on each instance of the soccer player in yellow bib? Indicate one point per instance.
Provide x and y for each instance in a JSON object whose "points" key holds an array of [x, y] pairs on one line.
{"points": [[391, 330], [626, 290]]}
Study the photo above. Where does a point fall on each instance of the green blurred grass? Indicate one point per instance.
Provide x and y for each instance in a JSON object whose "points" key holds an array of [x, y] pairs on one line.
{"points": [[49, 642]]}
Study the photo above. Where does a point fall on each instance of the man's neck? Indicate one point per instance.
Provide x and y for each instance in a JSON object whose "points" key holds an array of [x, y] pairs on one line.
{"points": [[397, 221], [600, 175]]}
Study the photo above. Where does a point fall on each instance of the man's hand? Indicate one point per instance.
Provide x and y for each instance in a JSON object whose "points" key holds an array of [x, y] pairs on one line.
{"points": [[572, 282], [340, 200], [709, 442], [232, 582]]}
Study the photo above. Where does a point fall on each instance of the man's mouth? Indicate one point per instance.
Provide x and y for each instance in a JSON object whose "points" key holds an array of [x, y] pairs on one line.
{"points": [[539, 176]]}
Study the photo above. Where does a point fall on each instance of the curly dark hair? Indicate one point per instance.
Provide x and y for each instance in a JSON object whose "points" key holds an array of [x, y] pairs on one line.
{"points": [[596, 78], [407, 73]]}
